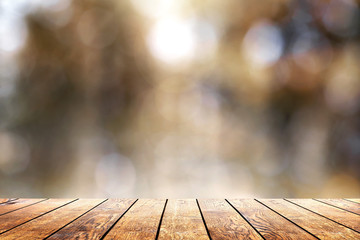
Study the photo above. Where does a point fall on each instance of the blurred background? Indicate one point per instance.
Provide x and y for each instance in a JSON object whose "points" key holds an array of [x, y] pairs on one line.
{"points": [[166, 98]]}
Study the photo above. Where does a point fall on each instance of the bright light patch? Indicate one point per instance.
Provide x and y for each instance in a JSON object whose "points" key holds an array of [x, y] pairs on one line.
{"points": [[263, 44], [206, 39], [12, 23], [172, 40], [14, 29]]}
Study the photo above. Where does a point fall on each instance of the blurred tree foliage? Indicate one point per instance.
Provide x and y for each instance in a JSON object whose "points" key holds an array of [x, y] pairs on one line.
{"points": [[91, 71], [267, 102]]}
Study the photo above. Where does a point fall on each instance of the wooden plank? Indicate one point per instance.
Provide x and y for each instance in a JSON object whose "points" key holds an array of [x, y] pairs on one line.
{"points": [[317, 225], [357, 200], [182, 220], [140, 222], [343, 204], [17, 204], [13, 219], [94, 224], [6, 200], [346, 218], [270, 224], [223, 222], [45, 225]]}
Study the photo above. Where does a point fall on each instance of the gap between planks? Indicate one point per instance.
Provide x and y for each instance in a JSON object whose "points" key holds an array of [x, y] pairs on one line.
{"points": [[204, 217], [318, 211]]}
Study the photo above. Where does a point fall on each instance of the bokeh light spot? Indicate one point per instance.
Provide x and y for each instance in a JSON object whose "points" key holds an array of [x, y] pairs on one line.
{"points": [[263, 44], [172, 40]]}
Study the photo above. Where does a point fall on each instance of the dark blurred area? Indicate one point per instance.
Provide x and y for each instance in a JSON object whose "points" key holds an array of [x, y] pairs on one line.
{"points": [[165, 98]]}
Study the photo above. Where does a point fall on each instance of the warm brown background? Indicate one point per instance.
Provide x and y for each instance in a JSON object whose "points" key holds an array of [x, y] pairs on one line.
{"points": [[180, 98]]}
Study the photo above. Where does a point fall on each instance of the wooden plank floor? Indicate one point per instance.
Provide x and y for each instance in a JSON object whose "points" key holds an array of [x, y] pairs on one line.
{"points": [[179, 218]]}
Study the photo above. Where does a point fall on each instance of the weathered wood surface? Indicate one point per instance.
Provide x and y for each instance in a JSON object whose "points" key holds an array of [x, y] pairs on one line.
{"points": [[270, 224], [45, 225], [182, 220], [10, 206], [16, 218], [140, 222], [319, 226], [94, 224], [179, 219], [224, 222], [335, 214], [343, 204]]}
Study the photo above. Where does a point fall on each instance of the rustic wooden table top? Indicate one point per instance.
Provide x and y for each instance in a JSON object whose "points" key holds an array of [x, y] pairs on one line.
{"points": [[180, 219]]}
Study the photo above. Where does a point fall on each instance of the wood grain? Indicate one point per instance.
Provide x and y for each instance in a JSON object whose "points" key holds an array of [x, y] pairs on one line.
{"points": [[270, 224], [45, 225], [140, 222], [343, 204], [223, 222], [319, 226], [94, 224], [13, 219], [182, 220], [10, 206], [179, 219], [348, 219]]}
